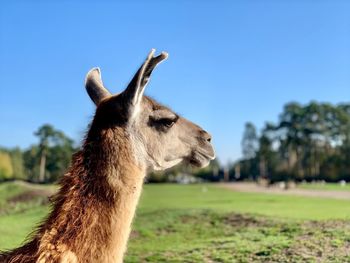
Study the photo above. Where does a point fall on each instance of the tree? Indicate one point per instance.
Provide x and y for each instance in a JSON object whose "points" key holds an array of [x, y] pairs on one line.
{"points": [[53, 154], [266, 155], [17, 163], [250, 145], [44, 133], [6, 170], [31, 160], [59, 156], [249, 141]]}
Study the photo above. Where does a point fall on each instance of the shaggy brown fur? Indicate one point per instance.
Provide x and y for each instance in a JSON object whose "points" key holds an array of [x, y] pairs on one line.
{"points": [[93, 210]]}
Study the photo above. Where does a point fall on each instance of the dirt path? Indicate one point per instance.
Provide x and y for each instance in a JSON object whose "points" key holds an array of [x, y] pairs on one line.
{"points": [[254, 188]]}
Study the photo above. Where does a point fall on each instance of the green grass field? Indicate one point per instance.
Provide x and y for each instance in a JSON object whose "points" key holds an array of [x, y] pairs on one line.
{"points": [[205, 223], [325, 186]]}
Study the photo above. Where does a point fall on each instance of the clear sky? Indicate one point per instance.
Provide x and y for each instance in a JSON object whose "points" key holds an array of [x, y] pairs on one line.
{"points": [[230, 61]]}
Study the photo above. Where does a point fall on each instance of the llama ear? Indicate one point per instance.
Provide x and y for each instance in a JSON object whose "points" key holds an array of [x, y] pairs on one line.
{"points": [[134, 92], [94, 86]]}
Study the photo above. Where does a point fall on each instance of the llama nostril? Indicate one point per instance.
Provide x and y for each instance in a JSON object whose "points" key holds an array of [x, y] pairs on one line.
{"points": [[206, 136]]}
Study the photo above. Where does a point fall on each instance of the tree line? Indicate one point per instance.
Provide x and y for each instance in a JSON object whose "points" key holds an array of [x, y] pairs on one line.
{"points": [[309, 142], [43, 162]]}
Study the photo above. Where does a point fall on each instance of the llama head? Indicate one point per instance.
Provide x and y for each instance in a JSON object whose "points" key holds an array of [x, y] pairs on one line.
{"points": [[159, 137]]}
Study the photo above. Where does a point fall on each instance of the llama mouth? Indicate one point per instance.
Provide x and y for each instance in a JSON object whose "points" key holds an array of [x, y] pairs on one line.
{"points": [[200, 159]]}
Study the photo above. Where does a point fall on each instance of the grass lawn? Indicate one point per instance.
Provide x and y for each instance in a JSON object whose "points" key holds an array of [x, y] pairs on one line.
{"points": [[205, 223], [325, 186]]}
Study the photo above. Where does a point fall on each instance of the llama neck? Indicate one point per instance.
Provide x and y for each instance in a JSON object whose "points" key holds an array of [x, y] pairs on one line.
{"points": [[95, 206]]}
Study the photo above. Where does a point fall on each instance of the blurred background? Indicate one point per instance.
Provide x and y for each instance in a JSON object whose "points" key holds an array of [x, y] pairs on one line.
{"points": [[270, 80]]}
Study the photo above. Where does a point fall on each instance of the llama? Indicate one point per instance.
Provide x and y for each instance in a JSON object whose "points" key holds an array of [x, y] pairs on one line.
{"points": [[130, 135]]}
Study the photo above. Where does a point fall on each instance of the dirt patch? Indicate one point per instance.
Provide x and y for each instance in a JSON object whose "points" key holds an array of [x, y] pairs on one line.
{"points": [[29, 196], [328, 226], [324, 248], [166, 231], [315, 241], [235, 220], [26, 200], [134, 234], [243, 220]]}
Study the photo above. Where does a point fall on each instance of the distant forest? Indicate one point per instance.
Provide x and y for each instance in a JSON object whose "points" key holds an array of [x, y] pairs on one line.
{"points": [[309, 142]]}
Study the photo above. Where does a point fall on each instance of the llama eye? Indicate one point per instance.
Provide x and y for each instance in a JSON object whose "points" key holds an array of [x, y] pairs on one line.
{"points": [[166, 122], [162, 123]]}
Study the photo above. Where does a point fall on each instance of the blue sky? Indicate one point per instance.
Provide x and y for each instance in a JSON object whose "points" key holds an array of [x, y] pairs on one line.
{"points": [[230, 61]]}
